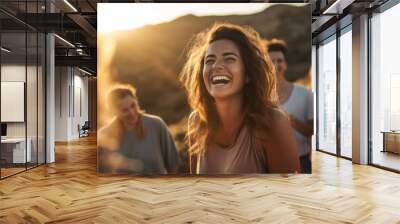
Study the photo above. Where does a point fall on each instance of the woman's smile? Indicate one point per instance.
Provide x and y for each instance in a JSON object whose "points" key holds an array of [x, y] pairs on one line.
{"points": [[220, 80]]}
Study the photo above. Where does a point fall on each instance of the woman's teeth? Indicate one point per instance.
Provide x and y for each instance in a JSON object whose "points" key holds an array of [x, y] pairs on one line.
{"points": [[220, 80]]}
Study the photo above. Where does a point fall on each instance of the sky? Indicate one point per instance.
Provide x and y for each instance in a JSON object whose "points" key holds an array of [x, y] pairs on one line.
{"points": [[126, 16]]}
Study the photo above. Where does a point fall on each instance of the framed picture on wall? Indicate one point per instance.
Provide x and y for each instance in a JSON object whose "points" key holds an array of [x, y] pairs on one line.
{"points": [[190, 88]]}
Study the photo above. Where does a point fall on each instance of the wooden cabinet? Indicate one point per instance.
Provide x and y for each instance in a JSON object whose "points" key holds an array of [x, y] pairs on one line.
{"points": [[391, 141]]}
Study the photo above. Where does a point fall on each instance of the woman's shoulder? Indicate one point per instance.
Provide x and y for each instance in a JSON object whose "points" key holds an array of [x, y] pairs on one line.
{"points": [[280, 147], [108, 137], [280, 121], [276, 115], [153, 120], [277, 122], [110, 128]]}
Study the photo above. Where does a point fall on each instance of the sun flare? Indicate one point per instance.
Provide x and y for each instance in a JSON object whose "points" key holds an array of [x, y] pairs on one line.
{"points": [[126, 16]]}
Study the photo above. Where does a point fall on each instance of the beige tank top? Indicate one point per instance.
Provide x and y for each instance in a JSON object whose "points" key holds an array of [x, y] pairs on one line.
{"points": [[246, 155]]}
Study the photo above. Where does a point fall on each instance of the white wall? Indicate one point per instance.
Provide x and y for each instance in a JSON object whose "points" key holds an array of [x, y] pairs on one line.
{"points": [[11, 73], [16, 73], [61, 103], [33, 126], [71, 93]]}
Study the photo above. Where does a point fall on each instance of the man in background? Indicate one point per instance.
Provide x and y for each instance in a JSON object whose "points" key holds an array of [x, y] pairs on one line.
{"points": [[296, 100]]}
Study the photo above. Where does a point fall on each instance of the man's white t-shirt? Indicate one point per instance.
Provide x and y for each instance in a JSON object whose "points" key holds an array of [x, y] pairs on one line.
{"points": [[300, 105]]}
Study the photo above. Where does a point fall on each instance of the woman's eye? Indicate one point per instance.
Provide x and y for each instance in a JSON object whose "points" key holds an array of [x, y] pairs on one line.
{"points": [[209, 61], [229, 59]]}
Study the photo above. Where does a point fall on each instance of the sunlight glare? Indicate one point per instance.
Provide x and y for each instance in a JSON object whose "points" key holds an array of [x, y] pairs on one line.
{"points": [[126, 16]]}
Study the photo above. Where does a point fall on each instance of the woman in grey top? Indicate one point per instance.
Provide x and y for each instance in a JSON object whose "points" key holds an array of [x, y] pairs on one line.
{"points": [[236, 126], [134, 142]]}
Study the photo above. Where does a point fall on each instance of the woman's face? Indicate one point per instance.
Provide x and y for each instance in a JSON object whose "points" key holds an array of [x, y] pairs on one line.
{"points": [[279, 61], [127, 111], [223, 72]]}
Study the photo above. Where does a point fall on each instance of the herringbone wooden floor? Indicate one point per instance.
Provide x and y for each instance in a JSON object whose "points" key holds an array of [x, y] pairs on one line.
{"points": [[70, 191]]}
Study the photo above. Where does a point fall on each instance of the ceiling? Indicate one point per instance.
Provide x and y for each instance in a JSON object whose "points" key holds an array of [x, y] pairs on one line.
{"points": [[76, 22]]}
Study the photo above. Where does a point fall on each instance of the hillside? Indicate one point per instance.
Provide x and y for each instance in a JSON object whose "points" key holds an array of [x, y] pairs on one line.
{"points": [[151, 57]]}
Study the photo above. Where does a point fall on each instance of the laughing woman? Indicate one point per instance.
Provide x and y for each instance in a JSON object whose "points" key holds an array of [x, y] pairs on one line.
{"points": [[236, 126], [135, 142]]}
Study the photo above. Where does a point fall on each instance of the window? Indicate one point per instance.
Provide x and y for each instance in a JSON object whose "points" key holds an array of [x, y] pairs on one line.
{"points": [[385, 86], [327, 96], [22, 64], [346, 92]]}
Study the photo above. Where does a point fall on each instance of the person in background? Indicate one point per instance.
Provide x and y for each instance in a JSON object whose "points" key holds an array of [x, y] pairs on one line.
{"points": [[134, 142], [236, 126], [296, 100]]}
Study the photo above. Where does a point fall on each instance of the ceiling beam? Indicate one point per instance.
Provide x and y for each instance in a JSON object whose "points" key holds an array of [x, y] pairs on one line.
{"points": [[337, 7], [85, 61], [84, 24]]}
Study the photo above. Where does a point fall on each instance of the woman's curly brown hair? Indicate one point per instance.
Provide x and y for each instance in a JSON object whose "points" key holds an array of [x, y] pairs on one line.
{"points": [[259, 94]]}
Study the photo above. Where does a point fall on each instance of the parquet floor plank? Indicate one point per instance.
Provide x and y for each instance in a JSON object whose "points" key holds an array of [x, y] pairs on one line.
{"points": [[70, 191]]}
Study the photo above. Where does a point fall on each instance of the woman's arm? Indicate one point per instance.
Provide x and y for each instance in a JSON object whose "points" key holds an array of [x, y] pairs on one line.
{"points": [[282, 154], [115, 162], [110, 160]]}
